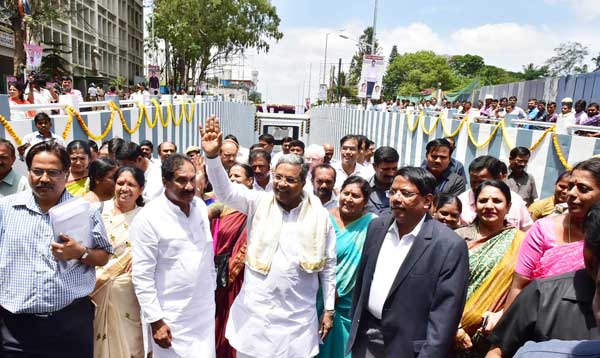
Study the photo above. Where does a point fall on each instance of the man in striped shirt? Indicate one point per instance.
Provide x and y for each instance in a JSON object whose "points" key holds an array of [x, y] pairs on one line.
{"points": [[45, 310]]}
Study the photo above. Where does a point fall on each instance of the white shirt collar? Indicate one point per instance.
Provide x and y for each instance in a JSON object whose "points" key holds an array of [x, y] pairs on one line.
{"points": [[415, 231]]}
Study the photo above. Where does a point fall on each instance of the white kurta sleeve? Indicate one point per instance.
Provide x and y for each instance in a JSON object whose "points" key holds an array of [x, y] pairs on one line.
{"points": [[144, 251], [327, 275], [235, 195]]}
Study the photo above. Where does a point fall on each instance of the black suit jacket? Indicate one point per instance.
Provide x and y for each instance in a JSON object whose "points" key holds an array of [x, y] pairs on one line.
{"points": [[425, 303]]}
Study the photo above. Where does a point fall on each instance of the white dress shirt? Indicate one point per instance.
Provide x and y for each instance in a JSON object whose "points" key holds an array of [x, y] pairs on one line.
{"points": [[174, 275], [154, 186], [257, 187], [275, 315], [341, 175], [392, 254]]}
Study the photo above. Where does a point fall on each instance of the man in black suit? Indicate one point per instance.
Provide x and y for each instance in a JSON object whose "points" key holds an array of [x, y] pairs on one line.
{"points": [[412, 280]]}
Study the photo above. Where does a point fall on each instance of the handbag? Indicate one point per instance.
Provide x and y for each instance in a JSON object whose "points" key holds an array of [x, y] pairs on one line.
{"points": [[222, 261]]}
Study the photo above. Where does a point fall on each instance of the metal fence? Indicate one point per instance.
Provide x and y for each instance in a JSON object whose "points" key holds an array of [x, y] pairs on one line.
{"points": [[409, 133]]}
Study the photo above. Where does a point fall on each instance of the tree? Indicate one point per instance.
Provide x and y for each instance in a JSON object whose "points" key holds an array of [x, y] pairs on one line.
{"points": [[255, 97], [28, 27], [532, 72], [466, 65], [201, 33], [413, 72], [596, 61], [393, 54], [568, 59], [362, 48], [53, 64]]}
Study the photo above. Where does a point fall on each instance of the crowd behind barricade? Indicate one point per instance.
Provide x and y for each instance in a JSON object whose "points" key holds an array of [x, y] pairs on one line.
{"points": [[569, 113], [40, 89], [225, 251]]}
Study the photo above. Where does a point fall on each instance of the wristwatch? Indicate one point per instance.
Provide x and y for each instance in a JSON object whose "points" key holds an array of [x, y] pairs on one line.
{"points": [[86, 253]]}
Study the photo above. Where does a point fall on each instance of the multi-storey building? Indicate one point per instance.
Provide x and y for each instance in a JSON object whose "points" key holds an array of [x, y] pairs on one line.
{"points": [[103, 35]]}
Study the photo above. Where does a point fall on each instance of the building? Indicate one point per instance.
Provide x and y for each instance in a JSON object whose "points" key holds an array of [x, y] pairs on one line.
{"points": [[7, 52], [106, 38]]}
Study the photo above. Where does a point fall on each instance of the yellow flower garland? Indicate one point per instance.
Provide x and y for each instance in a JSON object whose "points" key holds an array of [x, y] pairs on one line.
{"points": [[413, 128], [445, 129], [432, 129], [485, 142], [11, 131], [158, 113], [72, 112], [541, 138], [559, 152], [114, 108]]}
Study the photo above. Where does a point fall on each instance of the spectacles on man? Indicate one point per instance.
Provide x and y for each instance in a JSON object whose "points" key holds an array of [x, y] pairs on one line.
{"points": [[52, 173], [403, 193], [289, 180]]}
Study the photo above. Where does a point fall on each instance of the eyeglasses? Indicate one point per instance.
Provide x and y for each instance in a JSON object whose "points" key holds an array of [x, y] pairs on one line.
{"points": [[288, 180], [403, 193], [52, 173]]}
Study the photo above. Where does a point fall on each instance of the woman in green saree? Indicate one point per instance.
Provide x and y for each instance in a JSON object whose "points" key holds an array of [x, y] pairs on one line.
{"points": [[350, 222], [493, 251], [80, 155]]}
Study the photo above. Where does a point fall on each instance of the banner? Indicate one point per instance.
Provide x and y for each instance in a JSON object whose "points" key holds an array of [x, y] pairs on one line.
{"points": [[373, 68], [34, 56], [322, 92]]}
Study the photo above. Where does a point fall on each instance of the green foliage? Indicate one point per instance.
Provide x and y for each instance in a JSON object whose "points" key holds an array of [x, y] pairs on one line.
{"points": [[568, 59], [393, 54], [203, 32], [118, 82], [466, 65], [532, 72], [362, 48], [53, 62], [255, 97], [596, 61], [412, 72]]}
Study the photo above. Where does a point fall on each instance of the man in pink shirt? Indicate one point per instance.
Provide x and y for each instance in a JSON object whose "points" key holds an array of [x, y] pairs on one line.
{"points": [[487, 167]]}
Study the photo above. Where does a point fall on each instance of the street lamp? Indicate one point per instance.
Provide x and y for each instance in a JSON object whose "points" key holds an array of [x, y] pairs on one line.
{"points": [[325, 63], [357, 41]]}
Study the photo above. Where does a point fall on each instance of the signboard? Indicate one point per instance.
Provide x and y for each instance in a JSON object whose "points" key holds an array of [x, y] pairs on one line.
{"points": [[323, 92], [7, 37], [34, 56], [371, 77]]}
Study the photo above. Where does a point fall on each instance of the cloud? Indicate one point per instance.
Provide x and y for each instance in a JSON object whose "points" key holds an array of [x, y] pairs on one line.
{"points": [[508, 45], [586, 10]]}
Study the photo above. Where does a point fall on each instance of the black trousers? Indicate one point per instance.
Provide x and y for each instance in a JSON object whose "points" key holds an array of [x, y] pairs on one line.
{"points": [[369, 339], [68, 333]]}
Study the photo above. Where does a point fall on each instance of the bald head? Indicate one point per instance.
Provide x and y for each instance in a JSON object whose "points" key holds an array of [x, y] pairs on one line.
{"points": [[229, 151], [328, 153]]}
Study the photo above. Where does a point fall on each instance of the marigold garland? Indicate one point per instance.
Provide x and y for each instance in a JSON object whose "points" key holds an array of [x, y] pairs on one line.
{"points": [[158, 113], [416, 125], [485, 142], [11, 131], [433, 127], [72, 112], [559, 152], [114, 108]]}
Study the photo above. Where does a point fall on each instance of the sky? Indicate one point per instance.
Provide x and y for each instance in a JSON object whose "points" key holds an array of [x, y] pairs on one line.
{"points": [[506, 33]]}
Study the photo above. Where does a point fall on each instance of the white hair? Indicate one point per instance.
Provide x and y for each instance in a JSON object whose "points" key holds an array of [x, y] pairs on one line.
{"points": [[316, 150]]}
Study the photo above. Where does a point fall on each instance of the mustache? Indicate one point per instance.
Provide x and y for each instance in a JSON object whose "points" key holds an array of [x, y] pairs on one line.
{"points": [[324, 191], [396, 206], [44, 186]]}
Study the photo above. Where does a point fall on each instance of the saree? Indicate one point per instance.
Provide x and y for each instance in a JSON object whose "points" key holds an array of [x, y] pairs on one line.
{"points": [[78, 187], [560, 259], [117, 324], [349, 245], [491, 267], [230, 237]]}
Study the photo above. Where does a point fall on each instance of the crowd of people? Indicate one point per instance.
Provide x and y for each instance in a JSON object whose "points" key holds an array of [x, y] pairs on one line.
{"points": [[569, 113], [225, 251]]}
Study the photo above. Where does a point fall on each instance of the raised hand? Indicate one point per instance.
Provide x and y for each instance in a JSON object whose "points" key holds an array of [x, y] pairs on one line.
{"points": [[211, 137]]}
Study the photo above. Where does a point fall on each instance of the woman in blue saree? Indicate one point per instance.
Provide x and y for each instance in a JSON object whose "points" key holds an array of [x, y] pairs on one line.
{"points": [[350, 222]]}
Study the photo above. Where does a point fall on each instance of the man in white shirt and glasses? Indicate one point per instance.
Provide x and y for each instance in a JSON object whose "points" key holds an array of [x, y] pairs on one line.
{"points": [[412, 280], [290, 254]]}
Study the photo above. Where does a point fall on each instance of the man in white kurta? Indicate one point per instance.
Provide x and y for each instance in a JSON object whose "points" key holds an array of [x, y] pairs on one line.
{"points": [[173, 267], [275, 313]]}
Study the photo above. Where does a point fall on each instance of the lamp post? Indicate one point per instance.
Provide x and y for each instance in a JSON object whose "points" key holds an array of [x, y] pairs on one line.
{"points": [[357, 41], [325, 62], [374, 27]]}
